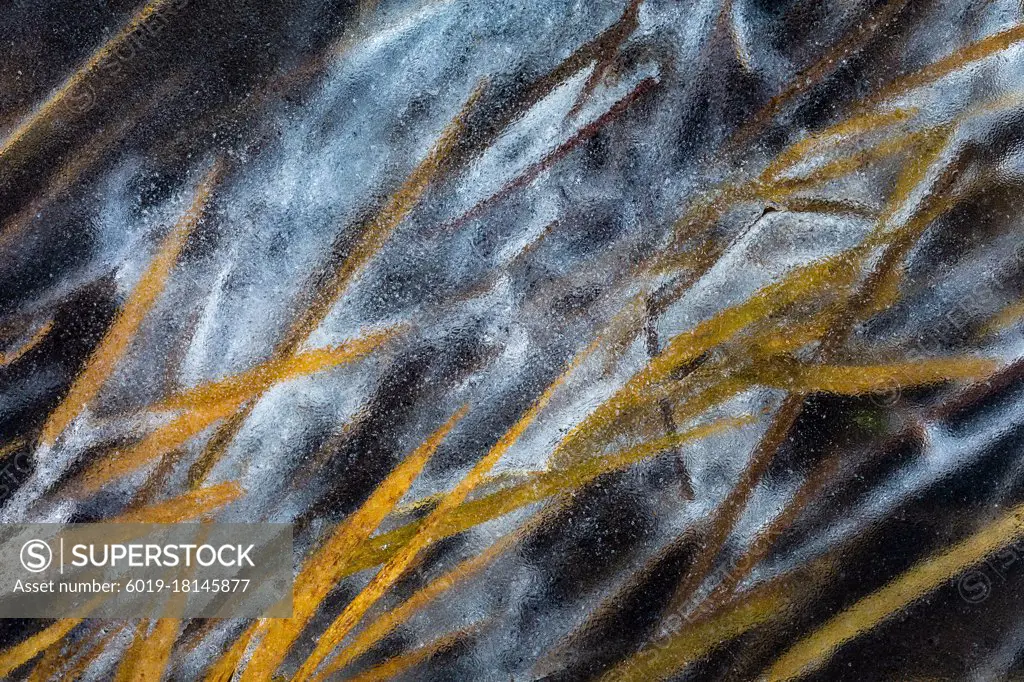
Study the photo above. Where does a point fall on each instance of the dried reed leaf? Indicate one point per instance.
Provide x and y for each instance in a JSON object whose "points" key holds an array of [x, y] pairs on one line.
{"points": [[690, 345], [12, 356], [321, 573], [191, 505], [1007, 318], [961, 58], [128, 321], [371, 237], [853, 127], [242, 387], [24, 652], [661, 661], [44, 111], [859, 380], [147, 657], [400, 664], [427, 531], [815, 650], [543, 486], [212, 402], [536, 488]]}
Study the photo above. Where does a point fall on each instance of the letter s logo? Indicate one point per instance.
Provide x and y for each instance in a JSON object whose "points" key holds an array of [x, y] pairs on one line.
{"points": [[36, 556]]}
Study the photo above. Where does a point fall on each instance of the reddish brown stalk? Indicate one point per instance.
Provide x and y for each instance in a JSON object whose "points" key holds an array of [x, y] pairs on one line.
{"points": [[614, 37], [762, 544], [813, 75], [728, 512], [532, 172], [861, 299], [343, 268]]}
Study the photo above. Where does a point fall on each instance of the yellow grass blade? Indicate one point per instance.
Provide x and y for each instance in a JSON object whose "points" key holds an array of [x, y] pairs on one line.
{"points": [[40, 334], [400, 664], [188, 506], [387, 576], [242, 387], [914, 174], [13, 446], [383, 224], [210, 403], [50, 663], [321, 573], [150, 652], [610, 603], [896, 243], [163, 440], [859, 300], [543, 486], [702, 212], [848, 128], [73, 82], [981, 49], [117, 339], [894, 240], [371, 238], [888, 289], [180, 509], [49, 667], [789, 337], [835, 206], [535, 488], [123, 673], [184, 508], [690, 345], [394, 212], [781, 187], [24, 652], [776, 187], [818, 71], [662, 660], [147, 658], [20, 654], [871, 121], [1009, 317], [224, 668], [392, 618], [100, 143], [858, 380], [425, 535], [814, 651]]}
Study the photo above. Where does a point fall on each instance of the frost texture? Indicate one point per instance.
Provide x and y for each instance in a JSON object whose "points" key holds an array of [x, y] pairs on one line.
{"points": [[626, 200]]}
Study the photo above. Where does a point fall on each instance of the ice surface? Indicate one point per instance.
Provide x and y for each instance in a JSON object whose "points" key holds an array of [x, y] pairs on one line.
{"points": [[789, 229]]}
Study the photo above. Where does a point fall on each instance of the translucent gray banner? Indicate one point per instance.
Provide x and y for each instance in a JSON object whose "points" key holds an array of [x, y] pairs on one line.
{"points": [[135, 570]]}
